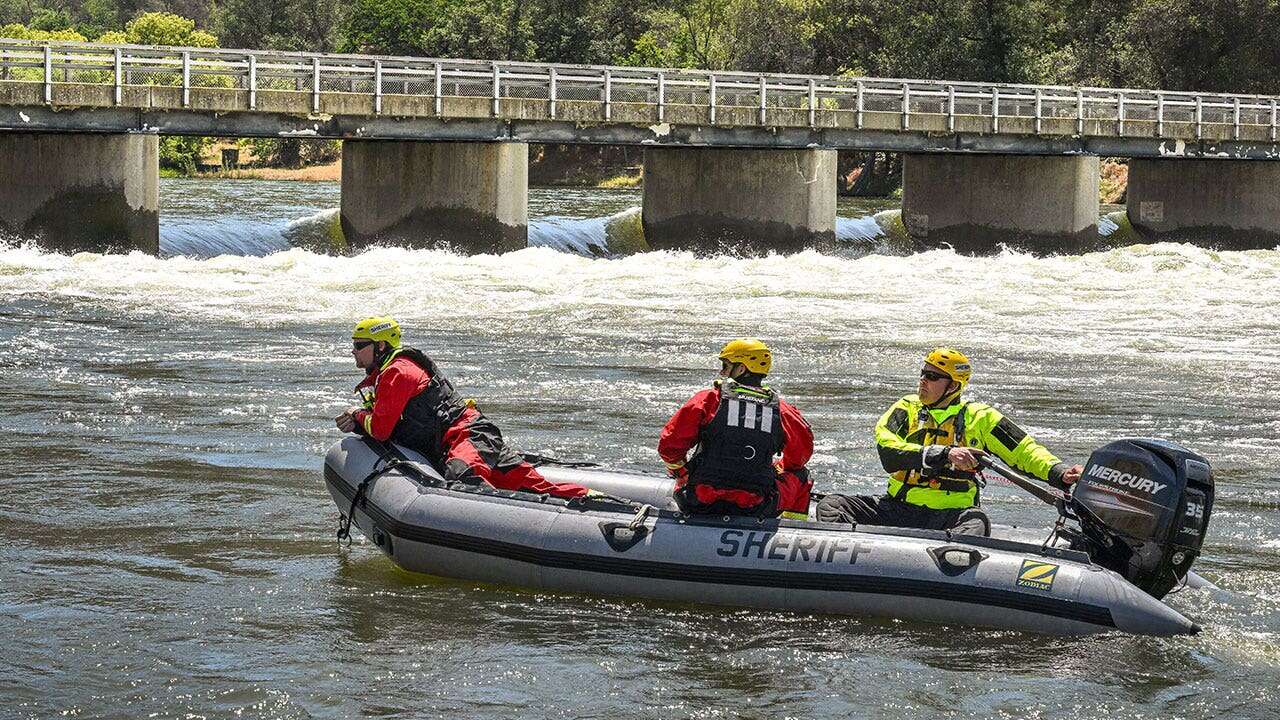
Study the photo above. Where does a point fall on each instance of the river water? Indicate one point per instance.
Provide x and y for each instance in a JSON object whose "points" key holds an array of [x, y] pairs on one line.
{"points": [[169, 544]]}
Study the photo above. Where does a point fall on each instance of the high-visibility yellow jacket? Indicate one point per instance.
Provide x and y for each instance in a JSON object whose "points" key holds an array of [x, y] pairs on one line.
{"points": [[913, 442]]}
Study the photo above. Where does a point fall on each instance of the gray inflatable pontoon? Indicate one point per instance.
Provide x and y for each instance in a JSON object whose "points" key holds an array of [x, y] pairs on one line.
{"points": [[647, 549]]}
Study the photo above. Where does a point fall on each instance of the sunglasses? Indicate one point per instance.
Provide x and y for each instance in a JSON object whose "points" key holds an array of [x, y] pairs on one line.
{"points": [[933, 376], [361, 344]]}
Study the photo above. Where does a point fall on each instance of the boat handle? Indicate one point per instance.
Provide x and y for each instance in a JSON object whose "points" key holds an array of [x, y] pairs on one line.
{"points": [[621, 537], [955, 559]]}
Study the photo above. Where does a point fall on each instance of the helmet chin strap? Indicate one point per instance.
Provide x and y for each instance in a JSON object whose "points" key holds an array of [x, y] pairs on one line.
{"points": [[948, 398], [380, 356]]}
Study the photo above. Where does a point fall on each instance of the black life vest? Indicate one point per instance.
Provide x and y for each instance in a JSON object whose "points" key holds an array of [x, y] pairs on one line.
{"points": [[736, 449], [429, 413]]}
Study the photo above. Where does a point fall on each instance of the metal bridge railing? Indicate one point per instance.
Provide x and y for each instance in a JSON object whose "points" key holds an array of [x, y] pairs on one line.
{"points": [[717, 98]]}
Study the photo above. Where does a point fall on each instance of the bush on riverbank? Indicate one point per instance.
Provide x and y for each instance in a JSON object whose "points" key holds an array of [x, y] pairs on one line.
{"points": [[291, 152], [583, 165], [181, 155], [1113, 181], [152, 28]]}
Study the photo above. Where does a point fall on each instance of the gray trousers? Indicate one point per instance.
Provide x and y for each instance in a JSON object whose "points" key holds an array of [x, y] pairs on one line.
{"points": [[886, 511]]}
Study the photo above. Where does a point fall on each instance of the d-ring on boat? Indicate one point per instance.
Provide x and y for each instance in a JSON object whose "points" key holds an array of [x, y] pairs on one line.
{"points": [[1127, 535]]}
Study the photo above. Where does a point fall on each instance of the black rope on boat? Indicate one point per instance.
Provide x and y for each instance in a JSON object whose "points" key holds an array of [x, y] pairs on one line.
{"points": [[537, 460], [344, 520]]}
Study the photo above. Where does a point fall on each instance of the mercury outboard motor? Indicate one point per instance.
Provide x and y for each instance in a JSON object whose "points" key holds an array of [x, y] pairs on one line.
{"points": [[1144, 507]]}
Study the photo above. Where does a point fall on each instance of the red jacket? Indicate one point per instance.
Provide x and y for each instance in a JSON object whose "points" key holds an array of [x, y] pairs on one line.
{"points": [[396, 384], [401, 380], [681, 433]]}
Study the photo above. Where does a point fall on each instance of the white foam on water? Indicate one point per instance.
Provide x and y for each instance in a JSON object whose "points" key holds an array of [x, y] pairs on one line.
{"points": [[1131, 301]]}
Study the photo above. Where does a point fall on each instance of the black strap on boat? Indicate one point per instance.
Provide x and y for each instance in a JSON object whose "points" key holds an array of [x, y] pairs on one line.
{"points": [[537, 460], [387, 453], [344, 520]]}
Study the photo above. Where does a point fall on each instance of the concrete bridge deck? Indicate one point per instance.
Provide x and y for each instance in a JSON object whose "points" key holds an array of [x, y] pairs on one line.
{"points": [[76, 87], [436, 150]]}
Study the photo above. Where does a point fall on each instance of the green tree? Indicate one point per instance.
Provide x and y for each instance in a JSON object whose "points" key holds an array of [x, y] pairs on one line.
{"points": [[97, 17], [15, 12], [687, 33], [490, 29], [300, 25], [126, 10], [487, 29], [1004, 41], [92, 18], [587, 32], [22, 32], [50, 20], [774, 36], [750, 35], [394, 27], [291, 152], [1218, 46], [162, 28], [845, 36], [182, 154]]}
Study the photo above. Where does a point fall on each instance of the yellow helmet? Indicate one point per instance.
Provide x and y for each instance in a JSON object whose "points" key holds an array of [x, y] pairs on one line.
{"points": [[750, 352], [952, 362], [383, 328]]}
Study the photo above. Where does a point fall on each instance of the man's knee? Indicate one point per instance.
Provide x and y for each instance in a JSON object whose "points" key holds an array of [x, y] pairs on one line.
{"points": [[846, 509], [830, 509], [471, 460], [471, 471], [972, 522], [486, 442]]}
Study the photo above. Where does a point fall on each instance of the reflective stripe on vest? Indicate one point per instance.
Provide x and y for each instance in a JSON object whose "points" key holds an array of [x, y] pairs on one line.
{"points": [[736, 449], [751, 415]]}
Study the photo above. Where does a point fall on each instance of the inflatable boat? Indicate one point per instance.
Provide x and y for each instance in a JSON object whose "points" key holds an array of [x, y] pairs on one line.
{"points": [[1137, 521]]}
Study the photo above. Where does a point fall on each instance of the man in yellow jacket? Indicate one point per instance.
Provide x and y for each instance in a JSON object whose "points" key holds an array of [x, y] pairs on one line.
{"points": [[931, 443]]}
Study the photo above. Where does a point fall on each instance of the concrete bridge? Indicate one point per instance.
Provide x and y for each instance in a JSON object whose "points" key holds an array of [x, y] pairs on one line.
{"points": [[437, 149]]}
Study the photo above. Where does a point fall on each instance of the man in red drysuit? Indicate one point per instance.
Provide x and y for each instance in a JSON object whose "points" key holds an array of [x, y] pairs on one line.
{"points": [[737, 427], [409, 401]]}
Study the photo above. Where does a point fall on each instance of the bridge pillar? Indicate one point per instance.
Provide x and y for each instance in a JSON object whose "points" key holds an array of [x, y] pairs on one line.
{"points": [[1224, 203], [469, 196], [975, 203], [756, 200], [81, 192]]}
